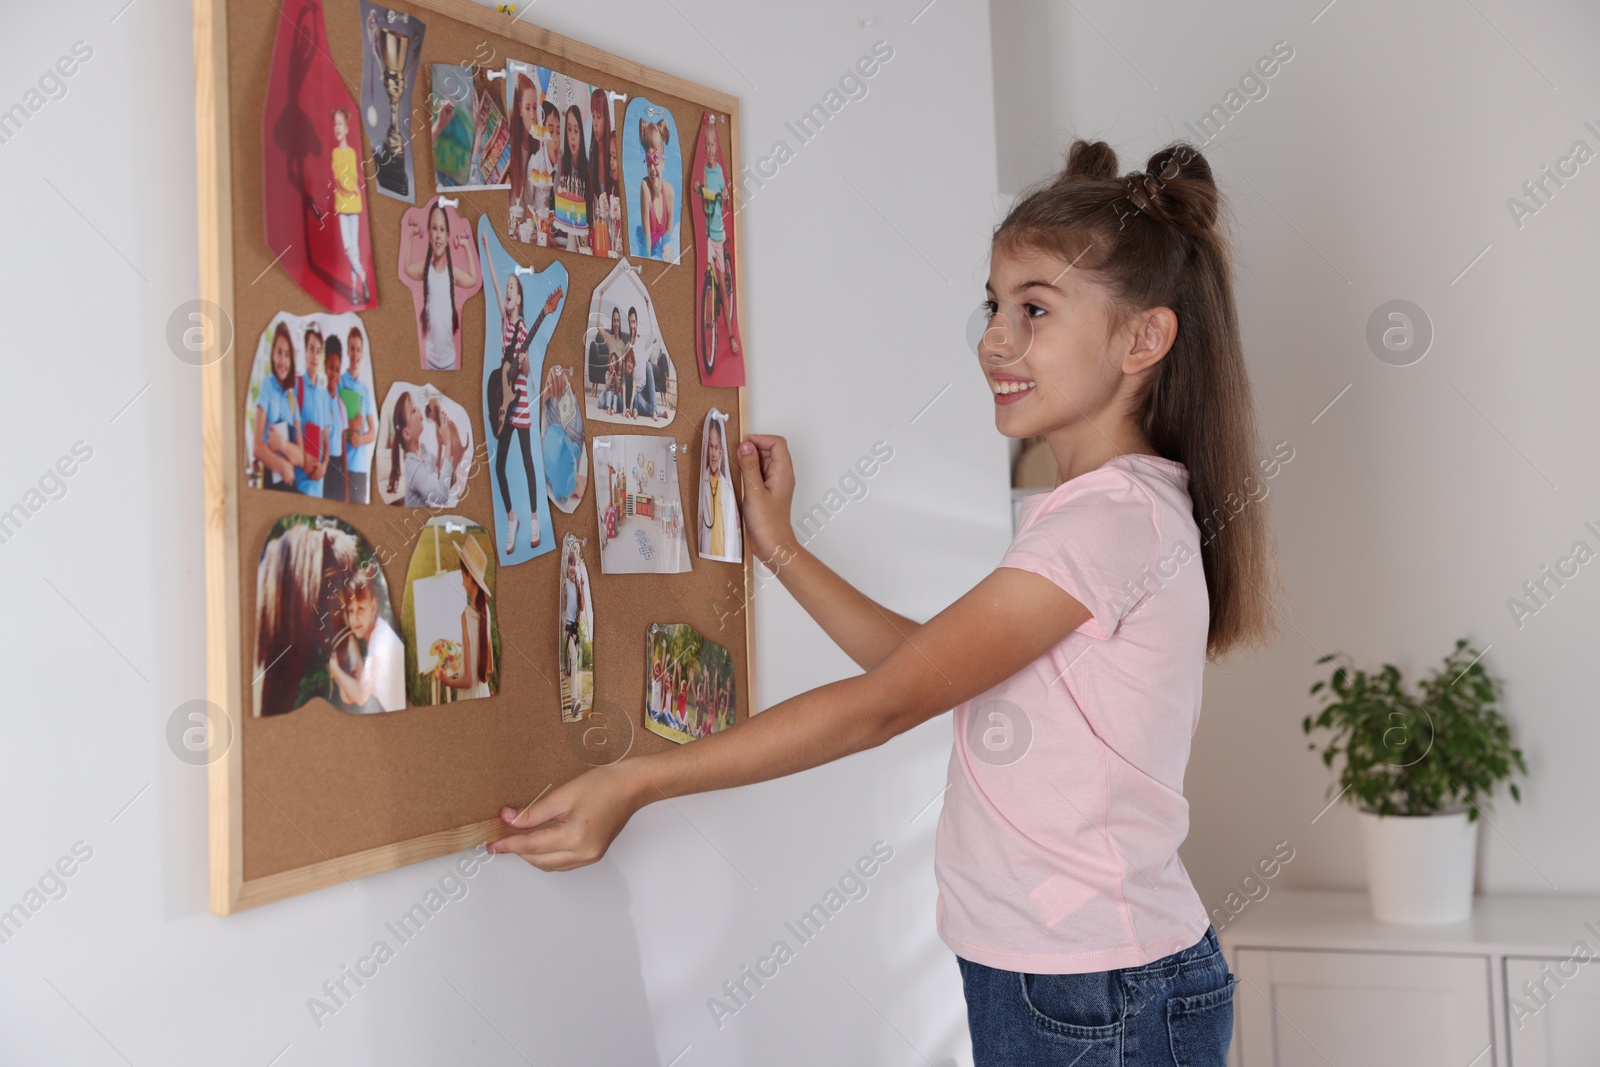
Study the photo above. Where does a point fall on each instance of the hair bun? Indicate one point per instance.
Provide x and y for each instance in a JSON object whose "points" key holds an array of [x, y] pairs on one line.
{"points": [[1091, 159], [1177, 188]]}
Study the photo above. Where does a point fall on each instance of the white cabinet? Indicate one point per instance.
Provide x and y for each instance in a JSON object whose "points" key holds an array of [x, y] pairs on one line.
{"points": [[1310, 1009], [1324, 984], [1558, 1022]]}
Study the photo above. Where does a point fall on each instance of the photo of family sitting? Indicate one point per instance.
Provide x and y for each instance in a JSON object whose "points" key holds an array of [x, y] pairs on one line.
{"points": [[427, 448], [310, 420], [451, 639], [641, 512], [566, 173], [689, 693], [577, 633], [629, 376], [324, 623]]}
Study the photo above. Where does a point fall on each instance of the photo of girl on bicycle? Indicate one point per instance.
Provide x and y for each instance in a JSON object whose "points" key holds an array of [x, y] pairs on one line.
{"points": [[718, 346]]}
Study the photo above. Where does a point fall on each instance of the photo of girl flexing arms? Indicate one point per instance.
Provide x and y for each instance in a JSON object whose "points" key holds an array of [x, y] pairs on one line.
{"points": [[1061, 892]]}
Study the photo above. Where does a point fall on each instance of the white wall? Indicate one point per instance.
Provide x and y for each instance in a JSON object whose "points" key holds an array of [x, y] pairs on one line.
{"points": [[861, 265], [1378, 167]]}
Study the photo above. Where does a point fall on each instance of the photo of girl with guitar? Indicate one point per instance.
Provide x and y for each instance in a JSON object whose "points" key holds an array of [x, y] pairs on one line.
{"points": [[513, 354]]}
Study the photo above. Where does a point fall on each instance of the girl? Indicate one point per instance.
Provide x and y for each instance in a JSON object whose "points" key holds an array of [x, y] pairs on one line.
{"points": [[574, 187], [276, 444], [477, 649], [515, 336], [656, 197], [720, 535], [427, 477], [1111, 330], [602, 174], [434, 266], [527, 143], [711, 186], [572, 601], [367, 665], [347, 204]]}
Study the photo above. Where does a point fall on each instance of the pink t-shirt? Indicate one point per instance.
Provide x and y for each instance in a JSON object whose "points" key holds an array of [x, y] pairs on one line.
{"points": [[1057, 849]]}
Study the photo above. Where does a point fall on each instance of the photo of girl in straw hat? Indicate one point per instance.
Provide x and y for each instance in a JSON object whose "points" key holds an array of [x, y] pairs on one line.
{"points": [[452, 642]]}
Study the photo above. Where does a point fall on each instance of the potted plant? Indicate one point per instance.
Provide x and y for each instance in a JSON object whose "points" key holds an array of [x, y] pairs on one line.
{"points": [[1418, 766]]}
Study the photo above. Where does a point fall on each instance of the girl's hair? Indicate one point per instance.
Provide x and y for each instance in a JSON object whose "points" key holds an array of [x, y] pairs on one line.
{"points": [[600, 161], [1152, 239], [522, 143], [646, 128], [402, 414], [449, 272], [288, 340]]}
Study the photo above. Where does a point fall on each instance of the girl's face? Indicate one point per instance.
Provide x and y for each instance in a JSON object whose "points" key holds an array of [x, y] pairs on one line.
{"points": [[574, 134], [616, 321], [711, 142], [1051, 352], [355, 345], [341, 126], [438, 232], [528, 108], [361, 613], [714, 450], [411, 431], [657, 160], [513, 297], [282, 358]]}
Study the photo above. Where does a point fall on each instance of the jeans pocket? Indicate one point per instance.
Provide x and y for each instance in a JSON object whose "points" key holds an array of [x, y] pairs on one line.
{"points": [[1085, 1008], [1200, 1027]]}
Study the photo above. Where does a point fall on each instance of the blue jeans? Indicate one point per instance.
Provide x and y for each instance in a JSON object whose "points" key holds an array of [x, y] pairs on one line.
{"points": [[644, 400], [1175, 1012]]}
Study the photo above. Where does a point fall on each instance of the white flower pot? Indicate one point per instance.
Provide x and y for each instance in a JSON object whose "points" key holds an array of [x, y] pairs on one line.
{"points": [[1419, 867]]}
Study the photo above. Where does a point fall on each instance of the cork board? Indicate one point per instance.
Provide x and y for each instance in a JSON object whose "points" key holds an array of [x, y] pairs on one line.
{"points": [[319, 796]]}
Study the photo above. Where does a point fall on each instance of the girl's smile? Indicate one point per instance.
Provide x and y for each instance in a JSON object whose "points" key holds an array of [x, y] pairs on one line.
{"points": [[1008, 388]]}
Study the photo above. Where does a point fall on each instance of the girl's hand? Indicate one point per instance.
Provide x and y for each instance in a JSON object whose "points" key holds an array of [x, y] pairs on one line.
{"points": [[763, 459], [576, 822]]}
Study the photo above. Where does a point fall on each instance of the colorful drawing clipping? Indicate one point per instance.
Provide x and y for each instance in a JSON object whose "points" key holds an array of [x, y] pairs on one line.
{"points": [[513, 352], [566, 173], [689, 687], [711, 196], [576, 633], [313, 192], [427, 452], [439, 264], [719, 530], [471, 138], [449, 616], [652, 172], [324, 624], [566, 460], [310, 422], [389, 66], [628, 375], [640, 510]]}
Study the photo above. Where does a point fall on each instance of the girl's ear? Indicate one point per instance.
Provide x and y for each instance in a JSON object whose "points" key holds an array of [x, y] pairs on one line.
{"points": [[1154, 330]]}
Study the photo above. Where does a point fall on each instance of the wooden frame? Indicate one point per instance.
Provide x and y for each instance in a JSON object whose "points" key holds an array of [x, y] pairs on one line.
{"points": [[220, 429]]}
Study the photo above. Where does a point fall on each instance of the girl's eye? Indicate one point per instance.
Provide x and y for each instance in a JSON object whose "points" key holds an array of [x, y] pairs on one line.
{"points": [[989, 308], [1031, 309]]}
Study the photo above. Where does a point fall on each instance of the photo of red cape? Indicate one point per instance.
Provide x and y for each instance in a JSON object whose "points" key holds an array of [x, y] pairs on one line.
{"points": [[719, 349], [313, 190]]}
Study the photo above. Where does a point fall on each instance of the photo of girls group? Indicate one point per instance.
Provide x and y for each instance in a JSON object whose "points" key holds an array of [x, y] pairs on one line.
{"points": [[583, 170], [690, 687], [566, 178], [309, 417]]}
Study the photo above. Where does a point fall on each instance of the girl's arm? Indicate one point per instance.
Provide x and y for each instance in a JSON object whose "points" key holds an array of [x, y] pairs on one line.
{"points": [[414, 267], [272, 458], [866, 630], [466, 277], [494, 275], [354, 691], [1003, 624]]}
